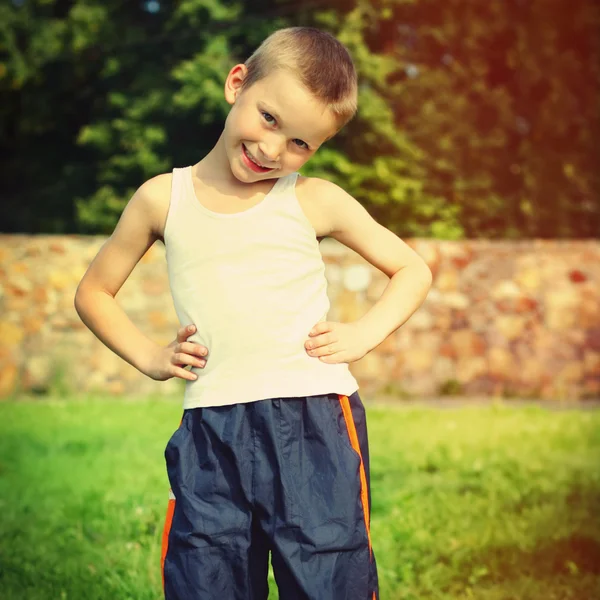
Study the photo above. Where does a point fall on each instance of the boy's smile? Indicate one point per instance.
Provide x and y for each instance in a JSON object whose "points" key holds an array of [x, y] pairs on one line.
{"points": [[253, 163]]}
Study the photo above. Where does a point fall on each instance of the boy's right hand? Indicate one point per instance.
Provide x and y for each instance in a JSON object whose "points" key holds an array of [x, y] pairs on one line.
{"points": [[169, 361]]}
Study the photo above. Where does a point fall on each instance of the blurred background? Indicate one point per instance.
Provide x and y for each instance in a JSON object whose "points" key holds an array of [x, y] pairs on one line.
{"points": [[477, 140], [477, 119]]}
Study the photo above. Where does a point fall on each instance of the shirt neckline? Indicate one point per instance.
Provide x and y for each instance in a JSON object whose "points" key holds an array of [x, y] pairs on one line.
{"points": [[218, 215]]}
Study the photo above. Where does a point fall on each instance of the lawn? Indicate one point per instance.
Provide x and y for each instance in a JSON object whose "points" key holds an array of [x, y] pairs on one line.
{"points": [[492, 503]]}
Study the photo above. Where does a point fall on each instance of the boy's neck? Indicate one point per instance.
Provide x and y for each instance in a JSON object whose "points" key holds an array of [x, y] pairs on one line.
{"points": [[214, 169], [214, 166]]}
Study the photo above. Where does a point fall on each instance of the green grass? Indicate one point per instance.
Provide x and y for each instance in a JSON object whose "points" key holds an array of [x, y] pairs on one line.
{"points": [[492, 503]]}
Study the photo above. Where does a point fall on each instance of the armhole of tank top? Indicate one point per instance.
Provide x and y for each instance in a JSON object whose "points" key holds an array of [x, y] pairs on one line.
{"points": [[294, 180], [176, 190], [285, 184], [289, 188], [296, 201]]}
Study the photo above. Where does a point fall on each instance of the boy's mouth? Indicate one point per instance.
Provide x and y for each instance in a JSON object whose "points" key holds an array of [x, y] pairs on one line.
{"points": [[252, 163]]}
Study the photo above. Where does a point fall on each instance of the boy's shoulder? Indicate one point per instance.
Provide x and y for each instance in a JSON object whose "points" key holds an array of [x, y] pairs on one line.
{"points": [[329, 196], [318, 186], [316, 189], [155, 194], [314, 195], [339, 214], [157, 186]]}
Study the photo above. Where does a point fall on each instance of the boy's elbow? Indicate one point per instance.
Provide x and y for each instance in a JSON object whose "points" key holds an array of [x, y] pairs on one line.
{"points": [[424, 274], [427, 274], [81, 298], [78, 300]]}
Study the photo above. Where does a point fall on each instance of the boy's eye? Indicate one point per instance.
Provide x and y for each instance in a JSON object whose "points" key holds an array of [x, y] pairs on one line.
{"points": [[268, 115], [270, 122]]}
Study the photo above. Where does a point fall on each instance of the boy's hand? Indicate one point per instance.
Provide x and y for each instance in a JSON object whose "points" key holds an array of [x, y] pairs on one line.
{"points": [[169, 361], [333, 342]]}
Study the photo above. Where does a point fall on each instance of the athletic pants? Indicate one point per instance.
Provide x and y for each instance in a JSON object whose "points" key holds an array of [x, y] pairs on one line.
{"points": [[289, 476]]}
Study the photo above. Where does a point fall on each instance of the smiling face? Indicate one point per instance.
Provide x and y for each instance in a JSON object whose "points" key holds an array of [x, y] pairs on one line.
{"points": [[276, 121]]}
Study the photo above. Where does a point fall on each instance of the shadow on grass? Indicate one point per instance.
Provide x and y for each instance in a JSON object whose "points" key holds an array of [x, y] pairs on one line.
{"points": [[546, 560]]}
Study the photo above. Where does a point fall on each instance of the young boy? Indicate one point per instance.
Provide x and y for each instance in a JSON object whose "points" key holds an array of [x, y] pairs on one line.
{"points": [[271, 454]]}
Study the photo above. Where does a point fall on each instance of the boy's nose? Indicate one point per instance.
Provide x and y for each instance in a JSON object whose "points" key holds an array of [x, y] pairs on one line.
{"points": [[269, 154]]}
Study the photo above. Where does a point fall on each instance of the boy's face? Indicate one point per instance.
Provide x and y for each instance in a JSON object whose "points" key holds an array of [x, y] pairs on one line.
{"points": [[277, 121]]}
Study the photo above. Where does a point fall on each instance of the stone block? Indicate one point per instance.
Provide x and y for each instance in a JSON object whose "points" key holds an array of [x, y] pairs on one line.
{"points": [[467, 369]]}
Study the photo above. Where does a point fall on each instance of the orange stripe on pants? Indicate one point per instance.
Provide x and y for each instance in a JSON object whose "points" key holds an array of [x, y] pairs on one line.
{"points": [[165, 537], [363, 477]]}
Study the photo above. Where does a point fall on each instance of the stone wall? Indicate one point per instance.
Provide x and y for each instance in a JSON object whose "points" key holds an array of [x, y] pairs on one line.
{"points": [[502, 318]]}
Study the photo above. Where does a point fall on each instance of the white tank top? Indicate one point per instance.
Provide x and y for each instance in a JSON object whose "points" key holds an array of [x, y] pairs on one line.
{"points": [[253, 283]]}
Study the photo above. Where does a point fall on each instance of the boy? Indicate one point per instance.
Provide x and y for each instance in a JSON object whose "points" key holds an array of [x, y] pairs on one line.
{"points": [[271, 454]]}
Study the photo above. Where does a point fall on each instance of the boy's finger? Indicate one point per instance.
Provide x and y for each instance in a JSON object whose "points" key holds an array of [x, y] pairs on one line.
{"points": [[193, 348], [186, 331], [184, 374]]}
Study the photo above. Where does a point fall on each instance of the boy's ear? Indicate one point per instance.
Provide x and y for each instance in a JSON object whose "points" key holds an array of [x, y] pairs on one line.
{"points": [[234, 81]]}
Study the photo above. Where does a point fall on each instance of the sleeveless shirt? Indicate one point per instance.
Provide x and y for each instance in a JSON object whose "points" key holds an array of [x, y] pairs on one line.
{"points": [[253, 283]]}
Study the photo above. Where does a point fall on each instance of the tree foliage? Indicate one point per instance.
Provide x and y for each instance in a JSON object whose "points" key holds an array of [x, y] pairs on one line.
{"points": [[475, 118]]}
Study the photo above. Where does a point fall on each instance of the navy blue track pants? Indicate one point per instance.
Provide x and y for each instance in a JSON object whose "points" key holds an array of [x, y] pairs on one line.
{"points": [[289, 476]]}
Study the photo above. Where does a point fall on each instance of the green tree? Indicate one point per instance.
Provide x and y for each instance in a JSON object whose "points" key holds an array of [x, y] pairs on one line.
{"points": [[501, 99], [475, 118]]}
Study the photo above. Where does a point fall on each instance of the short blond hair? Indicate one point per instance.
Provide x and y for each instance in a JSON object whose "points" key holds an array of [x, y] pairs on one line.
{"points": [[321, 63]]}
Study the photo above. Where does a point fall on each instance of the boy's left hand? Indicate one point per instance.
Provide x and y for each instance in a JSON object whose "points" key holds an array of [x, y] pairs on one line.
{"points": [[334, 342]]}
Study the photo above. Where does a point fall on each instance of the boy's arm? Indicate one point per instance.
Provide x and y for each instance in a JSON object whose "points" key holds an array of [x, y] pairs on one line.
{"points": [[410, 277], [137, 229]]}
